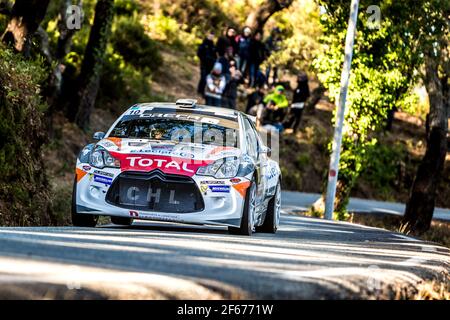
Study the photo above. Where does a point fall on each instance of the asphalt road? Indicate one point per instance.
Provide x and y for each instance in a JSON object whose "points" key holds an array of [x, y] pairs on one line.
{"points": [[303, 201], [308, 258]]}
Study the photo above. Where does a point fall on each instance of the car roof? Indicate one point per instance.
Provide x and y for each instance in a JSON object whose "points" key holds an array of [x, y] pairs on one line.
{"points": [[199, 107]]}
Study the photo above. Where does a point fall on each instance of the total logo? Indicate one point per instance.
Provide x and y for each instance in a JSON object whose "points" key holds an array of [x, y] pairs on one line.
{"points": [[167, 164], [160, 163]]}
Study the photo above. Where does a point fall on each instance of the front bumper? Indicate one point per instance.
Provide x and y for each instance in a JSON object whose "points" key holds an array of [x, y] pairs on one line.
{"points": [[223, 200]]}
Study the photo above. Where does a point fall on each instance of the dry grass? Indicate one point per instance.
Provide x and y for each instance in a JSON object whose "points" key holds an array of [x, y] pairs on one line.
{"points": [[433, 290], [439, 231]]}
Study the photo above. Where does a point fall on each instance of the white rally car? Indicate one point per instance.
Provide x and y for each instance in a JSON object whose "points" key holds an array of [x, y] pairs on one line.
{"points": [[179, 162]]}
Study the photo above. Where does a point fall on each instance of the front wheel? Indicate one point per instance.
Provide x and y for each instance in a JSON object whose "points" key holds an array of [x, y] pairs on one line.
{"points": [[79, 219], [247, 221], [272, 220]]}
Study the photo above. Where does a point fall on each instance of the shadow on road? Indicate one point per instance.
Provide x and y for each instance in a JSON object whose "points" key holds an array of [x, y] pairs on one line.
{"points": [[307, 258]]}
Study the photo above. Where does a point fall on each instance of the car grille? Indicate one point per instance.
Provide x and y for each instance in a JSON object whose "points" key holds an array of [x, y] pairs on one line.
{"points": [[155, 191]]}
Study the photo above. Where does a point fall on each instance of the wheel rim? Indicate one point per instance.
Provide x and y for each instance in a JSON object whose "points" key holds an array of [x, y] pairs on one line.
{"points": [[252, 206], [277, 206]]}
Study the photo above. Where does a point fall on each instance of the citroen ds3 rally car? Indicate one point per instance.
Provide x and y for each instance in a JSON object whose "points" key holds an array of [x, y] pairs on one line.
{"points": [[179, 162]]}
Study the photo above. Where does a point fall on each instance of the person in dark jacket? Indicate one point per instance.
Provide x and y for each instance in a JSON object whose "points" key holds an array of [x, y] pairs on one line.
{"points": [[207, 53], [244, 49], [226, 41], [255, 98], [257, 56], [224, 60], [230, 93], [273, 44], [301, 94]]}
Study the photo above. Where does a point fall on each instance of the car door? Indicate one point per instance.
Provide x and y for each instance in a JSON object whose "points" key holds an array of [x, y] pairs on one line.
{"points": [[264, 164], [253, 147]]}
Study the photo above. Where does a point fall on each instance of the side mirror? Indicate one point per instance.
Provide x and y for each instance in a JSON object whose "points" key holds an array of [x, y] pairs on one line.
{"points": [[265, 150], [98, 135]]}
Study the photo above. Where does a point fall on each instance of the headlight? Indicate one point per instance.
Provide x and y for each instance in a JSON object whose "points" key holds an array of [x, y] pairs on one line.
{"points": [[221, 169], [101, 158]]}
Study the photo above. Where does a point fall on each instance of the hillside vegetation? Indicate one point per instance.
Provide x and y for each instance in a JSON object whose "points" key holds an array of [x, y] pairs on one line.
{"points": [[150, 56]]}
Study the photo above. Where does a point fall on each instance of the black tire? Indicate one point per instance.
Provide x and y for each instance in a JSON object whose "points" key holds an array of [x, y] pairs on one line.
{"points": [[122, 221], [78, 219], [270, 224], [246, 228]]}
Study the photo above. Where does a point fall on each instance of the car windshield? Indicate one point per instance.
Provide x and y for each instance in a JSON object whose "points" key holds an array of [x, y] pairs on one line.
{"points": [[175, 130]]}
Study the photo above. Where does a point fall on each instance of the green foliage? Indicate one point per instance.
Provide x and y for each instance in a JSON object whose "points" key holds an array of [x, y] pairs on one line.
{"points": [[121, 84], [383, 167], [170, 32], [383, 69], [126, 7], [130, 40], [416, 104], [301, 31], [24, 198]]}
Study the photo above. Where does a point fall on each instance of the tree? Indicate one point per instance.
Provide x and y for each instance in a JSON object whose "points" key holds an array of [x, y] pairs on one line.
{"points": [[380, 77], [258, 18], [421, 203], [26, 15], [89, 79], [387, 61]]}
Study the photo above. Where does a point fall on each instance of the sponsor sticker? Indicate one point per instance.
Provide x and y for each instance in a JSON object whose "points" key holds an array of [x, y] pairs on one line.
{"points": [[104, 173], [223, 189], [86, 168], [137, 144], [212, 182], [134, 213], [107, 144], [102, 179], [272, 173], [203, 188]]}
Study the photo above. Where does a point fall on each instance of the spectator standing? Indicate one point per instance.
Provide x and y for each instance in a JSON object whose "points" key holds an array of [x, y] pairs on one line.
{"points": [[276, 105], [301, 94], [224, 60], [273, 44], [207, 53], [226, 41], [215, 85], [230, 92], [244, 49], [257, 52]]}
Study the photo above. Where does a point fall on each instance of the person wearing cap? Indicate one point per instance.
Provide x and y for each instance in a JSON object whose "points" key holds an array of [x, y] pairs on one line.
{"points": [[215, 85], [276, 105]]}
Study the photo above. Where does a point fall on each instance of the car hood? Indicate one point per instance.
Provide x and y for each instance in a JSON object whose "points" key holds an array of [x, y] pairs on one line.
{"points": [[168, 156]]}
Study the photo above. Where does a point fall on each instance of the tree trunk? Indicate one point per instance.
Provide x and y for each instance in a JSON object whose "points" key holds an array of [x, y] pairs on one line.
{"points": [[420, 206], [63, 47], [89, 79], [26, 15], [314, 99], [65, 34], [258, 18]]}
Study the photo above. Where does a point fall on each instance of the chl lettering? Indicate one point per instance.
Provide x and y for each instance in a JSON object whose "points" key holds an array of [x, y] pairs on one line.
{"points": [[160, 163], [133, 195]]}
